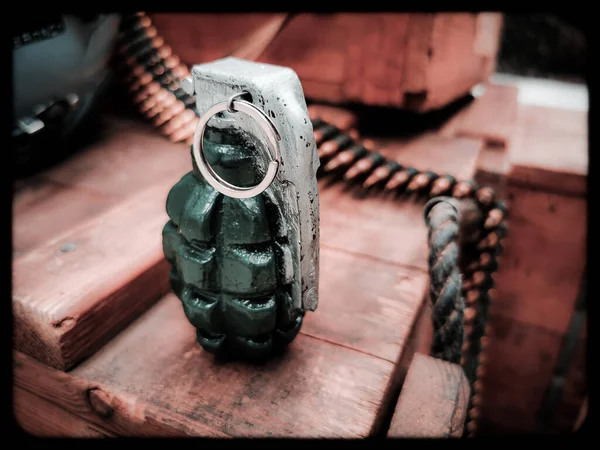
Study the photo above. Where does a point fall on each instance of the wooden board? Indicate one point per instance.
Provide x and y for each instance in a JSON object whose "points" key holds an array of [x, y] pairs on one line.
{"points": [[551, 150], [69, 222], [41, 418], [110, 269], [419, 61], [433, 402], [42, 209]]}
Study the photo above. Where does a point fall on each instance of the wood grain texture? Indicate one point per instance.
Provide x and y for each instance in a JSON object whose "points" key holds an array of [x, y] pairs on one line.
{"points": [[544, 258], [492, 116], [315, 390], [43, 209], [433, 402], [100, 289], [454, 68], [199, 37], [129, 157], [373, 58], [551, 150], [521, 360], [41, 418]]}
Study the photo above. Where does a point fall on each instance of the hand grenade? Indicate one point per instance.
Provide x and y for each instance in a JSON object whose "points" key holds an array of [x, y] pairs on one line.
{"points": [[244, 252]]}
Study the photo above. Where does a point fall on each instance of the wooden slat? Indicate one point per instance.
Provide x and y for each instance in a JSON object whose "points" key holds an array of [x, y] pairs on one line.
{"points": [[544, 258], [454, 68], [317, 390], [130, 157], [521, 360], [42, 418], [551, 150], [433, 402], [43, 209], [110, 269], [491, 117]]}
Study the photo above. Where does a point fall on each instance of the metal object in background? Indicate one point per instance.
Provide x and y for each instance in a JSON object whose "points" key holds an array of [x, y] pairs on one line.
{"points": [[60, 70]]}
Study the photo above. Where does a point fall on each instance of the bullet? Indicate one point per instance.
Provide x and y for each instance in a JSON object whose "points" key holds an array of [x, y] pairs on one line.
{"points": [[130, 46], [482, 358], [466, 345], [185, 131], [470, 314], [179, 121], [463, 189], [472, 296], [472, 428], [159, 107], [346, 157], [146, 91], [477, 400], [364, 165], [401, 178], [474, 413], [317, 122], [485, 196], [442, 185], [334, 145], [484, 342], [184, 97], [169, 113], [493, 219], [141, 24], [480, 279], [143, 80], [325, 132], [478, 386], [421, 181], [382, 173], [489, 242], [145, 50], [153, 100], [485, 261], [480, 371], [149, 50]]}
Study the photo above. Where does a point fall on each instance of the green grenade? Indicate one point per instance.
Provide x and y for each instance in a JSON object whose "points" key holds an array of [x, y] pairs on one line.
{"points": [[236, 263]]}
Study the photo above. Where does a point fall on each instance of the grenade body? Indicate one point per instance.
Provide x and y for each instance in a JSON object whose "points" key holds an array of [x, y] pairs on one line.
{"points": [[230, 261]]}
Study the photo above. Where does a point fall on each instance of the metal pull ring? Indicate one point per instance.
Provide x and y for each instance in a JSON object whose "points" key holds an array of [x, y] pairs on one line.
{"points": [[224, 187]]}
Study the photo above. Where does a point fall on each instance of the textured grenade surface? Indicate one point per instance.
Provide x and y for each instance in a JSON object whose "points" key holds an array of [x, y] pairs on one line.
{"points": [[230, 264]]}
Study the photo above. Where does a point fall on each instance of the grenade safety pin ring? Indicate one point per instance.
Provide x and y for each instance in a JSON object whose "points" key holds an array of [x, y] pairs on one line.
{"points": [[267, 126]]}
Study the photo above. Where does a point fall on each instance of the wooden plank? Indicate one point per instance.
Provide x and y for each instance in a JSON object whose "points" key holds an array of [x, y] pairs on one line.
{"points": [[42, 418], [418, 48], [551, 150], [317, 389], [203, 39], [130, 156], [120, 414], [492, 116], [544, 258], [367, 305], [520, 362], [100, 289], [433, 402], [42, 210], [454, 68], [379, 227]]}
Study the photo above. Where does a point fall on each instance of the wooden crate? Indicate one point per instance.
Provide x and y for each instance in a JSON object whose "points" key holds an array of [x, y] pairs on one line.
{"points": [[103, 347], [420, 61]]}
